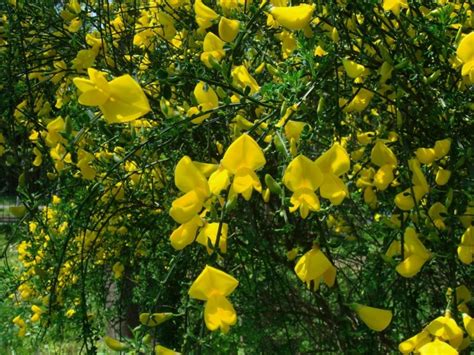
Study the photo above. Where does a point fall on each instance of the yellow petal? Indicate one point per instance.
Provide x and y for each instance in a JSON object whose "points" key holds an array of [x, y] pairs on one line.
{"points": [[185, 233], [293, 129], [184, 208], [436, 347], [204, 14], [465, 50], [442, 176], [353, 69], [333, 188], [383, 177], [114, 344], [335, 160], [293, 17], [245, 180], [425, 155], [204, 93], [410, 266], [219, 313], [242, 78], [414, 342], [127, 101], [154, 319], [161, 350], [219, 181], [375, 318], [312, 265], [306, 200], [442, 147], [418, 178], [468, 324], [212, 282], [413, 245], [244, 152], [302, 173], [209, 234], [382, 155], [228, 29], [187, 177]]}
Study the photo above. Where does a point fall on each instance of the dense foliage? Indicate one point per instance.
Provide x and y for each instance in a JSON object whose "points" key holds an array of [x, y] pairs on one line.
{"points": [[230, 176]]}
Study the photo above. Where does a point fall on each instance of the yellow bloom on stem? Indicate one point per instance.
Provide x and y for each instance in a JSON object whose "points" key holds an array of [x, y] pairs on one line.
{"points": [[353, 69], [114, 344], [415, 253], [213, 47], [184, 235], [228, 29], [241, 159], [360, 101], [293, 17], [303, 177], [120, 100], [446, 329], [468, 322], [465, 52], [204, 14], [154, 319], [333, 163], [208, 234], [466, 247], [315, 267], [190, 180], [213, 286], [161, 350], [375, 318], [415, 342], [242, 79], [207, 100], [437, 347], [394, 5]]}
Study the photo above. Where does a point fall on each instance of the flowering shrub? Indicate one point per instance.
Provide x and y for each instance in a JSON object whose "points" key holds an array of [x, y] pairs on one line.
{"points": [[320, 153]]}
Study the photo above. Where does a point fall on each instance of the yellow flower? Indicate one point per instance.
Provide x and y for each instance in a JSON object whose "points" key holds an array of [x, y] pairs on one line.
{"points": [[333, 163], [161, 350], [204, 14], [193, 183], [465, 52], [213, 47], [114, 344], [154, 319], [207, 100], [438, 213], [241, 159], [446, 329], [360, 101], [394, 5], [315, 267], [466, 247], [184, 235], [303, 177], [213, 286], [228, 29], [208, 234], [415, 342], [353, 69], [242, 79], [437, 347], [293, 17], [415, 253], [375, 318], [121, 100]]}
